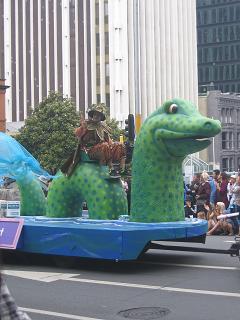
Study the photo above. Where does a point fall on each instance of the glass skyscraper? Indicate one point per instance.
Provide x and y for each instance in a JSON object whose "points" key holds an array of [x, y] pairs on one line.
{"points": [[218, 33]]}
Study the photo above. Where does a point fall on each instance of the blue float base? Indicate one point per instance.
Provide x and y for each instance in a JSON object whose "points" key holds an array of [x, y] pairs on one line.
{"points": [[100, 239]]}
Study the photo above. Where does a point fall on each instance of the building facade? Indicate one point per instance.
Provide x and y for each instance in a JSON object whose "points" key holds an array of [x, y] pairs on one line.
{"points": [[153, 54], [131, 55], [218, 33], [45, 49], [224, 152]]}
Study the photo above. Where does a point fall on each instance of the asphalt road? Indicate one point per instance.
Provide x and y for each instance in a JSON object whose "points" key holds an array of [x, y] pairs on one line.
{"points": [[161, 285]]}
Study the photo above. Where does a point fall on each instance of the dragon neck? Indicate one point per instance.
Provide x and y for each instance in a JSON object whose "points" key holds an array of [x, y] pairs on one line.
{"points": [[157, 185]]}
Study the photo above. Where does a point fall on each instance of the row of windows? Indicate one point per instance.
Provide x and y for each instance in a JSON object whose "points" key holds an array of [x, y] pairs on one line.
{"points": [[223, 87], [201, 3], [216, 54], [107, 101], [228, 164], [219, 73], [228, 141], [107, 75], [219, 34], [229, 115], [218, 15]]}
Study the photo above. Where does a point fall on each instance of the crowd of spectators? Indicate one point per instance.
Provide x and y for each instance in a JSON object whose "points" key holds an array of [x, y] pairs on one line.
{"points": [[215, 198]]}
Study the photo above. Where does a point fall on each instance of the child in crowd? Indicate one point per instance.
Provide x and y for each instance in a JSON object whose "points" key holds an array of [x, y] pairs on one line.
{"points": [[218, 226], [188, 208]]}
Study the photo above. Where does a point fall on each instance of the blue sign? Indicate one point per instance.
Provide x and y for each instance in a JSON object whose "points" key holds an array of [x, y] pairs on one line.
{"points": [[10, 230]]}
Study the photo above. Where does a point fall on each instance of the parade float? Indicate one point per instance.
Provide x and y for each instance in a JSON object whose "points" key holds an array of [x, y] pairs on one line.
{"points": [[55, 226]]}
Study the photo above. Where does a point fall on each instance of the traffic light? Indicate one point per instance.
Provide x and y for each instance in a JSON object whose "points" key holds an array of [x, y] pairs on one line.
{"points": [[130, 128]]}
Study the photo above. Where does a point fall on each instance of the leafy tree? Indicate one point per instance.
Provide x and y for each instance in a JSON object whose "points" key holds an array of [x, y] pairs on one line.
{"points": [[48, 134]]}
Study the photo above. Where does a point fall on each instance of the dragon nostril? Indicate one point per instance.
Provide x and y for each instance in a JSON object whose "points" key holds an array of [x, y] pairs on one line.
{"points": [[207, 125]]}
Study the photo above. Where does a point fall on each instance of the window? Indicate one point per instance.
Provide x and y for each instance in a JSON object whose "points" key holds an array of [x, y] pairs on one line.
{"points": [[231, 142], [224, 164], [238, 115], [199, 35], [238, 163], [231, 14], [97, 44], [215, 73], [106, 42], [207, 73], [220, 54], [227, 72], [219, 34], [220, 15], [107, 72], [225, 33], [238, 141], [98, 98], [232, 52], [232, 33], [214, 54], [226, 88], [214, 16], [238, 71], [200, 56], [226, 52], [230, 116], [231, 166], [237, 32], [226, 115], [224, 140], [222, 114], [205, 36], [98, 73]]}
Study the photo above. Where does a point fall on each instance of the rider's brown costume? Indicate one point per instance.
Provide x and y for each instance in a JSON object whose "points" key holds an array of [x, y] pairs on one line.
{"points": [[94, 138]]}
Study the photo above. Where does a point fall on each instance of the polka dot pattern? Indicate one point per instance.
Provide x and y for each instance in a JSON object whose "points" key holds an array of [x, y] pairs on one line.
{"points": [[90, 182], [157, 181]]}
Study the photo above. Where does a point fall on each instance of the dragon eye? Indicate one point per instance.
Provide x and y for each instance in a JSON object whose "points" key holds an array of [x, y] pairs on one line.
{"points": [[173, 108]]}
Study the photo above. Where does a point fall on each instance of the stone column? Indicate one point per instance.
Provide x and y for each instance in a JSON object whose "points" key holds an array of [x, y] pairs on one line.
{"points": [[3, 88]]}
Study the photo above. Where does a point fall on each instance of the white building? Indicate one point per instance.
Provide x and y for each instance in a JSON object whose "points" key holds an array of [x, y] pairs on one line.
{"points": [[130, 54]]}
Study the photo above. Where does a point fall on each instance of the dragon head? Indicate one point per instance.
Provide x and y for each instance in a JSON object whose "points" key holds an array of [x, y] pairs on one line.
{"points": [[180, 128]]}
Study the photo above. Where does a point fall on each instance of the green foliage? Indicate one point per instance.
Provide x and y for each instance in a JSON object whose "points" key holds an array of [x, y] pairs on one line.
{"points": [[48, 133], [114, 125]]}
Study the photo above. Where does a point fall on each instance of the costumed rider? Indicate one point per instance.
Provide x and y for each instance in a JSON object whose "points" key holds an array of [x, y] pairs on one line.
{"points": [[94, 137]]}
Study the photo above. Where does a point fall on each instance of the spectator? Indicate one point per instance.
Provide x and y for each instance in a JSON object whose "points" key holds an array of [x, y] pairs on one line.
{"points": [[236, 194], [201, 215], [222, 189], [194, 187], [8, 307], [203, 192], [206, 212], [213, 185], [230, 185], [188, 208], [218, 226]]}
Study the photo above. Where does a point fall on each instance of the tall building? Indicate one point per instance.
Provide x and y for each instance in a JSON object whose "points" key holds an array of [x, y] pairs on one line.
{"points": [[132, 55], [218, 33], [45, 49], [159, 52], [224, 152]]}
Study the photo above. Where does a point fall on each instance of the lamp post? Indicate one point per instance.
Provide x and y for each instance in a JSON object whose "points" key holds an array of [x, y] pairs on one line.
{"points": [[3, 88]]}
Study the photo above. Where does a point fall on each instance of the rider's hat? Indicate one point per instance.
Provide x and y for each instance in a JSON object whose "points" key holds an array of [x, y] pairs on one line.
{"points": [[100, 108]]}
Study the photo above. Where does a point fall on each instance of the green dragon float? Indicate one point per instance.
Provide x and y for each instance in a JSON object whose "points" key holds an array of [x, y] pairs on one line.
{"points": [[168, 135]]}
